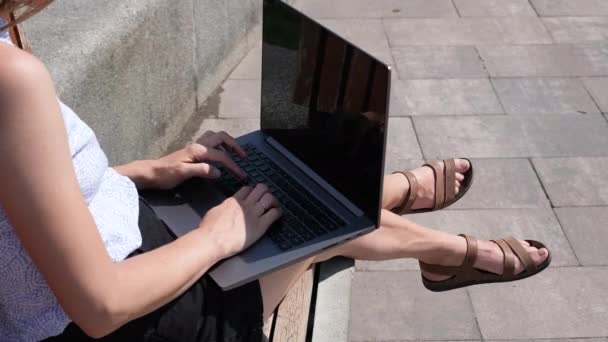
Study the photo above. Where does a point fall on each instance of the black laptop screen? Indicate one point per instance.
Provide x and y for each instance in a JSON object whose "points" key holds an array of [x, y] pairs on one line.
{"points": [[326, 101]]}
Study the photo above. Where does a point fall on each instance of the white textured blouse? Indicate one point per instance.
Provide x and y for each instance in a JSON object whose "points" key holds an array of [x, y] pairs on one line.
{"points": [[29, 310]]}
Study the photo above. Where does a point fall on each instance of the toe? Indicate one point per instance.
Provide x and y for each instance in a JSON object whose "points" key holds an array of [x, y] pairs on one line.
{"points": [[459, 177], [462, 165], [538, 255]]}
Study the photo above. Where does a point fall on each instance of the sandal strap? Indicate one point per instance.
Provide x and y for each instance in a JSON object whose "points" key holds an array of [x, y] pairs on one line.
{"points": [[465, 268], [471, 255], [508, 258], [440, 270], [521, 253], [439, 184], [450, 181], [412, 192]]}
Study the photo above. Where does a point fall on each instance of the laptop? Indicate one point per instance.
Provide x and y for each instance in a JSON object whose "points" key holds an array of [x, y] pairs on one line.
{"points": [[321, 147]]}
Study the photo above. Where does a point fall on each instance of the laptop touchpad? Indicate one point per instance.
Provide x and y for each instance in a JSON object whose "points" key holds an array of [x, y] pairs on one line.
{"points": [[182, 209]]}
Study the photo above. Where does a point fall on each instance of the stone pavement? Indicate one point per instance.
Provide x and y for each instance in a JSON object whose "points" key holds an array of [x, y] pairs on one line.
{"points": [[519, 86]]}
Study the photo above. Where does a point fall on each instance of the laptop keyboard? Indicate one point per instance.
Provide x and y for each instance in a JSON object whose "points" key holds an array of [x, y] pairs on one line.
{"points": [[304, 217]]}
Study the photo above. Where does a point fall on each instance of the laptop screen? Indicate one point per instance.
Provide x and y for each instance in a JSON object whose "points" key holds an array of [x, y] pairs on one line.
{"points": [[326, 101]]}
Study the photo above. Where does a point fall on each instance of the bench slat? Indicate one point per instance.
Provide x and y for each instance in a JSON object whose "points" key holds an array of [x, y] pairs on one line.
{"points": [[291, 317]]}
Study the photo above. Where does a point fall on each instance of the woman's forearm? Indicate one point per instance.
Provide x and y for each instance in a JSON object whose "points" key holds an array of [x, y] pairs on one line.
{"points": [[146, 282], [141, 172]]}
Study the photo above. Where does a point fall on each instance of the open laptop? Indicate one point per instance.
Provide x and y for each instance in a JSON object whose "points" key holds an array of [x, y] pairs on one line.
{"points": [[321, 147]]}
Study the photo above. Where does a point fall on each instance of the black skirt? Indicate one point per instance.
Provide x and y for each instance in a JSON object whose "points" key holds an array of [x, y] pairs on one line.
{"points": [[203, 313]]}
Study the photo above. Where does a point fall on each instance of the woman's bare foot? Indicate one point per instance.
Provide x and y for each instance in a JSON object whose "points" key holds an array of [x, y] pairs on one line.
{"points": [[396, 186], [490, 257]]}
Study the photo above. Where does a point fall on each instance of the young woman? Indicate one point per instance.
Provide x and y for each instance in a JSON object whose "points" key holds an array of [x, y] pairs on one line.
{"points": [[82, 257]]}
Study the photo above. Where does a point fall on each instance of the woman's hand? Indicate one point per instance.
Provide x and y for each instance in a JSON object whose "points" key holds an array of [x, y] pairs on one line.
{"points": [[242, 219], [192, 161]]}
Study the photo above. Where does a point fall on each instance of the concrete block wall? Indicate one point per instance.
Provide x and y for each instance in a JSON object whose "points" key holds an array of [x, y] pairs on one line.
{"points": [[137, 70]]}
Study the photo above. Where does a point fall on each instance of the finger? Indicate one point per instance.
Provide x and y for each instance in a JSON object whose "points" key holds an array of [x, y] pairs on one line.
{"points": [[228, 140], [258, 209], [242, 193], [224, 159], [269, 201], [264, 204], [256, 194], [204, 138], [207, 134], [200, 170], [270, 217]]}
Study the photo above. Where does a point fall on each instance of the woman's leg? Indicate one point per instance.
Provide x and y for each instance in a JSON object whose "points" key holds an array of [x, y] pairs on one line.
{"points": [[274, 286], [398, 237], [395, 238]]}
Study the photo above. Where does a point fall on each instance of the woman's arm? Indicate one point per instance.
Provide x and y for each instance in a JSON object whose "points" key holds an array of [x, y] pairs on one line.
{"points": [[42, 199], [191, 161]]}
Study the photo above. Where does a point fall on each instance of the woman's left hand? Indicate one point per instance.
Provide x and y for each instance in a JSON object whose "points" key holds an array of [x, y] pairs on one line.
{"points": [[192, 161]]}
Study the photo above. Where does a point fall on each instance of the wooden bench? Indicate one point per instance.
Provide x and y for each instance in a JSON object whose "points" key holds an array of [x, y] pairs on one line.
{"points": [[317, 307], [292, 320]]}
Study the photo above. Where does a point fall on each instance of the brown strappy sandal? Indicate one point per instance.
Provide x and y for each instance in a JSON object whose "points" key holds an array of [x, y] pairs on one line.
{"points": [[445, 183], [466, 274]]}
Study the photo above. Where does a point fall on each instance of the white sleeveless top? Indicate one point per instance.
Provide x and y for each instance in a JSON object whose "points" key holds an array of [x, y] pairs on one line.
{"points": [[29, 311]]}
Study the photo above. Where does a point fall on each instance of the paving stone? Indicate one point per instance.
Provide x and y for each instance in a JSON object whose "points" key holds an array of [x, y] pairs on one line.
{"points": [[586, 231], [563, 302], [377, 8], [503, 183], [401, 140], [574, 181], [494, 8], [234, 127], [570, 8], [577, 29], [445, 97], [395, 163], [368, 34], [418, 62], [598, 87], [395, 306], [250, 67], [590, 59], [544, 96], [240, 99], [559, 340], [388, 265], [504, 136], [466, 31], [538, 224], [332, 306]]}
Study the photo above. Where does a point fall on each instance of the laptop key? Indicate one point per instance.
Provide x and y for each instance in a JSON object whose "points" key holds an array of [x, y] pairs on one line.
{"points": [[296, 240], [302, 231], [304, 218]]}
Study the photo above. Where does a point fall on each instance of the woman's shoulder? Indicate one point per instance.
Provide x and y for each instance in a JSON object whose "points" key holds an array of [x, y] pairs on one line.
{"points": [[19, 70]]}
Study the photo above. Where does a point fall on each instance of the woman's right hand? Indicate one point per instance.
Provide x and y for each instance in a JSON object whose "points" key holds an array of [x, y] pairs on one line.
{"points": [[241, 219]]}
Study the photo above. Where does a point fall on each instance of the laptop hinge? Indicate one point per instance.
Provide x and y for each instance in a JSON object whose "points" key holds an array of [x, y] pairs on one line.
{"points": [[315, 177]]}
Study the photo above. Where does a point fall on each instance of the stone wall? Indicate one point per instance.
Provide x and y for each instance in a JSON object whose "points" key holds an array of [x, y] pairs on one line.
{"points": [[137, 70]]}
